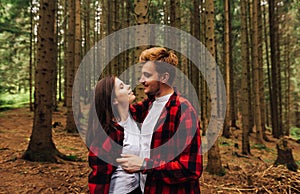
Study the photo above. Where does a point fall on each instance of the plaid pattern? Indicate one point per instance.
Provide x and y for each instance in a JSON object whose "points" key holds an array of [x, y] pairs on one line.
{"points": [[181, 174], [101, 147]]}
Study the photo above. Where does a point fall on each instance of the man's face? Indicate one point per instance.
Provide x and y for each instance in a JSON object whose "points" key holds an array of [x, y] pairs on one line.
{"points": [[150, 79]]}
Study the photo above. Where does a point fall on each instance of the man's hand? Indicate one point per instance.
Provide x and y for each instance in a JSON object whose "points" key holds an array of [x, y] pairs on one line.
{"points": [[130, 163]]}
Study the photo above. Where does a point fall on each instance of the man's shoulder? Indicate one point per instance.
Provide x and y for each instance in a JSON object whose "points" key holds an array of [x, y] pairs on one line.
{"points": [[183, 100]]}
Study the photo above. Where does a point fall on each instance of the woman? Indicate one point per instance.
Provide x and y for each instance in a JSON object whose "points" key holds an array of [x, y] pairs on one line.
{"points": [[111, 128]]}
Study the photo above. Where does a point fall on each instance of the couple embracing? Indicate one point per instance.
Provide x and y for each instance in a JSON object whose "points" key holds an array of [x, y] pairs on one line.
{"points": [[160, 155]]}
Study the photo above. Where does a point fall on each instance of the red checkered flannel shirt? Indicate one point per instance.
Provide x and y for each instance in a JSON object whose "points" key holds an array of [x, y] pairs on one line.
{"points": [[102, 156], [178, 167]]}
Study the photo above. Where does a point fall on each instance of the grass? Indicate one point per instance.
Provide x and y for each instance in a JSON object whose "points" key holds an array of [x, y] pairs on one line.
{"points": [[295, 132], [12, 101]]}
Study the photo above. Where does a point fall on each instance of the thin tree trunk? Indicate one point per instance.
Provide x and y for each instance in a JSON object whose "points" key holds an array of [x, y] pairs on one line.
{"points": [[256, 73], [245, 89], [268, 62], [195, 24], [77, 60], [66, 54], [250, 69], [261, 71], [62, 21], [31, 53], [141, 9], [70, 123], [287, 87], [279, 66], [227, 58], [274, 66], [55, 78], [214, 165], [204, 118]]}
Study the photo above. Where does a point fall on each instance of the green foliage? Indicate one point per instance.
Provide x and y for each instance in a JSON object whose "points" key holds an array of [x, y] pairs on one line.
{"points": [[295, 132], [14, 45], [9, 101]]}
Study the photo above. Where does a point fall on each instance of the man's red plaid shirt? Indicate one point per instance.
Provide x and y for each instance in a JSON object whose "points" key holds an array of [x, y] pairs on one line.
{"points": [[177, 167]]}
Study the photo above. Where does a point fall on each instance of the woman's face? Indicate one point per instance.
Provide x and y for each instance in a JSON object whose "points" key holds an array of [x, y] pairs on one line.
{"points": [[124, 94]]}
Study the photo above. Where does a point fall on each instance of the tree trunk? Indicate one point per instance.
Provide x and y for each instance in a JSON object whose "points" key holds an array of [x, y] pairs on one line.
{"points": [[214, 158], [261, 72], [70, 123], [141, 9], [77, 59], [268, 62], [279, 65], [195, 25], [203, 101], [250, 69], [41, 146], [55, 76], [274, 65], [245, 90], [227, 58], [288, 88], [214, 164], [285, 155], [66, 54], [61, 23], [31, 53], [256, 73]]}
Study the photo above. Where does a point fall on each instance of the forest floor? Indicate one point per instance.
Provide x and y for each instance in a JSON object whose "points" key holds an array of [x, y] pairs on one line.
{"points": [[244, 174]]}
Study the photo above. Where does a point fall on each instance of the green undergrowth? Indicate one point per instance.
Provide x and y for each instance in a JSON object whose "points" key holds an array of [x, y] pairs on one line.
{"points": [[295, 132], [12, 101]]}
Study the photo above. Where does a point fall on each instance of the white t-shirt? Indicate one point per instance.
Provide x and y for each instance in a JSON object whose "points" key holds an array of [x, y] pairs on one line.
{"points": [[147, 130]]}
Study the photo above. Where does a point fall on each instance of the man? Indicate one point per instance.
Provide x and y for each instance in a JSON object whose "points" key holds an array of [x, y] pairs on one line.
{"points": [[170, 158]]}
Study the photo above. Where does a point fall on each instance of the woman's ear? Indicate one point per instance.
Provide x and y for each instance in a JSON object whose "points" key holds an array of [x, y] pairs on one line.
{"points": [[165, 78]]}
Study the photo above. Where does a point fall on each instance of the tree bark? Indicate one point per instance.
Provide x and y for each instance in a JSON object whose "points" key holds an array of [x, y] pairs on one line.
{"points": [[245, 90], [141, 9], [70, 123], [285, 155], [227, 58], [274, 69], [41, 146], [256, 73], [214, 165]]}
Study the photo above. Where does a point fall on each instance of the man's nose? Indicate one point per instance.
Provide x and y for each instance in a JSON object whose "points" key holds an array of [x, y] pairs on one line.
{"points": [[142, 79]]}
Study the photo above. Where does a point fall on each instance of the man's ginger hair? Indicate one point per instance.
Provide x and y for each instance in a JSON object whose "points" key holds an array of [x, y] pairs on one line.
{"points": [[164, 60]]}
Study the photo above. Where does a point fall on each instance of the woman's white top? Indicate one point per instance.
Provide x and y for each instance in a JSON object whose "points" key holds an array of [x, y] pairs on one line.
{"points": [[121, 181]]}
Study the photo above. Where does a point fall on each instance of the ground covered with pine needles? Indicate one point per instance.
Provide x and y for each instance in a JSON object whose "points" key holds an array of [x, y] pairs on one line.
{"points": [[243, 174]]}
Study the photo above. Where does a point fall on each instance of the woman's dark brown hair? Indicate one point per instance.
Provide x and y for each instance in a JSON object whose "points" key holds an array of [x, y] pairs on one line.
{"points": [[103, 108]]}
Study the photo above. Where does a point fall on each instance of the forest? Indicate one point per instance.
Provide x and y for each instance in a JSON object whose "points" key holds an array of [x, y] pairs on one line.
{"points": [[244, 82]]}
